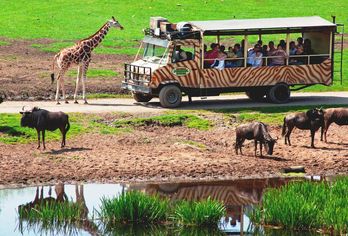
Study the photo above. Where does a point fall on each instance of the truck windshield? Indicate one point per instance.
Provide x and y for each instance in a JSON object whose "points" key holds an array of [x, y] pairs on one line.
{"points": [[155, 54]]}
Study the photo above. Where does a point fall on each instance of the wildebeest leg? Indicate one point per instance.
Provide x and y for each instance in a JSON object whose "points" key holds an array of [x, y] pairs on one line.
{"points": [[239, 143], [62, 130], [43, 139], [287, 136], [261, 148], [38, 138], [326, 127], [312, 138], [255, 147]]}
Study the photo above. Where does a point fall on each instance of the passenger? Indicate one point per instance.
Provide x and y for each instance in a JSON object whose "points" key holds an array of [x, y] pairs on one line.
{"points": [[293, 51], [264, 53], [211, 55], [283, 44], [230, 53], [270, 51], [205, 49], [179, 54], [299, 42], [219, 63], [239, 53], [260, 42], [255, 56], [280, 54]]}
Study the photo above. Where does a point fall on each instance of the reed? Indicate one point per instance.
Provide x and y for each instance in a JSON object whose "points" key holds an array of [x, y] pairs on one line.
{"points": [[306, 206], [133, 207], [202, 213]]}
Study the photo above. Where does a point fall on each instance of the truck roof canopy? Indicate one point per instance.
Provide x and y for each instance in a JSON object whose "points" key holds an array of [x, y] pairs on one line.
{"points": [[263, 25]]}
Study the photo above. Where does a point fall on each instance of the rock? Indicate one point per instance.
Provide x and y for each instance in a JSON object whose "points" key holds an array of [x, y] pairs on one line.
{"points": [[293, 169]]}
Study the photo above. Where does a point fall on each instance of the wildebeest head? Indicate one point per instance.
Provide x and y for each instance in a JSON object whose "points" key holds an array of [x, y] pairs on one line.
{"points": [[27, 116], [269, 145], [315, 114]]}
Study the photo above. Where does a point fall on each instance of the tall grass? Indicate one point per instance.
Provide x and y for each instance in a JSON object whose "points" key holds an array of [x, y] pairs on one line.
{"points": [[133, 207], [203, 213], [306, 206], [52, 212]]}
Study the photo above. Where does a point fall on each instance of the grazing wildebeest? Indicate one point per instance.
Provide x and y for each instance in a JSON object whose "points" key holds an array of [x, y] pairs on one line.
{"points": [[311, 120], [257, 131], [43, 120], [333, 115]]}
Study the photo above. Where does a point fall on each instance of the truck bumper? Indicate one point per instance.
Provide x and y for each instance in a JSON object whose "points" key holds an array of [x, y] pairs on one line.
{"points": [[135, 88]]}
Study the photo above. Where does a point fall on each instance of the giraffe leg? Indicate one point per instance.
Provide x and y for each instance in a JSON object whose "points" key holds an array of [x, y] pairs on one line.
{"points": [[57, 92], [79, 70], [85, 68], [63, 91]]}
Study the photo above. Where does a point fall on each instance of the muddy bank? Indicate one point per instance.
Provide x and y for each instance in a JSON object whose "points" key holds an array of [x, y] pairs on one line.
{"points": [[156, 153]]}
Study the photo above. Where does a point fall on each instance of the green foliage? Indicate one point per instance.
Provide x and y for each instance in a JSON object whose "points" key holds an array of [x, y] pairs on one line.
{"points": [[191, 121], [4, 43], [306, 206], [203, 213], [109, 95], [52, 212], [133, 207]]}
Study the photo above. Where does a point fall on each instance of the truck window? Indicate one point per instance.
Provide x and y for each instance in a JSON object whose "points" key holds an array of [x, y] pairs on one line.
{"points": [[183, 53], [155, 54]]}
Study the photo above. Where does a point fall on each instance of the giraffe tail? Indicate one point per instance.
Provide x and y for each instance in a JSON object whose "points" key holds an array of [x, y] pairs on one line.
{"points": [[54, 62]]}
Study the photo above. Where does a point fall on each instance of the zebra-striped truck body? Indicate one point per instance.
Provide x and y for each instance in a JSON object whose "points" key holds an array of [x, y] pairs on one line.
{"points": [[159, 75]]}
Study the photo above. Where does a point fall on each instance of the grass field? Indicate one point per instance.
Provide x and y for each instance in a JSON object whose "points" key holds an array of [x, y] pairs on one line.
{"points": [[67, 21]]}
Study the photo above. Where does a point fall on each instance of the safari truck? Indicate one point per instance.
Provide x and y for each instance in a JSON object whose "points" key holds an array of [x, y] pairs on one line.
{"points": [[171, 60]]}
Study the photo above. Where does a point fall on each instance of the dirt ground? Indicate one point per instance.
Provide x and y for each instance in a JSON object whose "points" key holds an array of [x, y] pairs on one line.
{"points": [[25, 72], [156, 153]]}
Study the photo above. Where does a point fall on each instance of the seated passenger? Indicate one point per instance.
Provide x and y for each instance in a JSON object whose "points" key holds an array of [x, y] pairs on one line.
{"points": [[230, 53], [293, 51], [179, 54], [280, 56], [299, 42], [270, 50], [283, 44], [219, 63], [211, 55], [255, 56]]}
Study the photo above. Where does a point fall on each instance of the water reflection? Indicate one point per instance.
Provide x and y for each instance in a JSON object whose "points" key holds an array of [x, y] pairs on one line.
{"points": [[238, 197], [27, 224]]}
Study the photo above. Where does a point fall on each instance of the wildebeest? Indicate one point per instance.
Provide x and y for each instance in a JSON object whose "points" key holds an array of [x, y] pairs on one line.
{"points": [[258, 132], [43, 120], [333, 115], [311, 120]]}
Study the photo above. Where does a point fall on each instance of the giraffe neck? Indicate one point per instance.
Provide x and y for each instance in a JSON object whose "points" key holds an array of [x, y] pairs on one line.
{"points": [[96, 38]]}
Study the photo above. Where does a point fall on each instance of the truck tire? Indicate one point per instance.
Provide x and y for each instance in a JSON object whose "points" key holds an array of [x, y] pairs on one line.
{"points": [[279, 93], [140, 97], [256, 94], [170, 96]]}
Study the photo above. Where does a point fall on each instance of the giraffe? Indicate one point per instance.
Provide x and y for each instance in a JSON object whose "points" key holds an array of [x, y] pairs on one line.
{"points": [[80, 55]]}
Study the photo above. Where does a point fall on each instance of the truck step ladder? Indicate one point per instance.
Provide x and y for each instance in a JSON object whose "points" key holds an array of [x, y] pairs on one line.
{"points": [[338, 51]]}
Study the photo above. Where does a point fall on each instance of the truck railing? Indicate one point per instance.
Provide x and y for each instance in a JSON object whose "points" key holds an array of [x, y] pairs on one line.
{"points": [[137, 74]]}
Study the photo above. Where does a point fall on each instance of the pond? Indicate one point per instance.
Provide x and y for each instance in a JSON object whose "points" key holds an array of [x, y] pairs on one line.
{"points": [[238, 197]]}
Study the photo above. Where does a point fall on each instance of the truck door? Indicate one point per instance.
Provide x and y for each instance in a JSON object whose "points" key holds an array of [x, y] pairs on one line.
{"points": [[185, 65]]}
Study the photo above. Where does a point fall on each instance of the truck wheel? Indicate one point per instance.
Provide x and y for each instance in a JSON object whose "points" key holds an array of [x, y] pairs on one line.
{"points": [[256, 95], [140, 97], [279, 93], [170, 96]]}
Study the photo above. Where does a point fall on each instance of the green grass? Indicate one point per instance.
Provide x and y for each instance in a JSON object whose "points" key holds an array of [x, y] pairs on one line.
{"points": [[96, 73], [71, 21], [4, 43], [188, 120], [134, 207], [203, 213], [306, 206], [11, 132], [109, 95], [52, 212]]}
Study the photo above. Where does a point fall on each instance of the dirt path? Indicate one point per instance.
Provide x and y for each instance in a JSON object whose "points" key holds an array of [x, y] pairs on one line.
{"points": [[155, 153], [221, 102]]}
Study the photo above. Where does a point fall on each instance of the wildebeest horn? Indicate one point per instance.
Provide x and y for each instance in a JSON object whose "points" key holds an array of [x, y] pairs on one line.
{"points": [[27, 109]]}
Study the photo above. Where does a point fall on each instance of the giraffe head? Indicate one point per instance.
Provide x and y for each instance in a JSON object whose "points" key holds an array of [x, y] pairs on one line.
{"points": [[113, 22]]}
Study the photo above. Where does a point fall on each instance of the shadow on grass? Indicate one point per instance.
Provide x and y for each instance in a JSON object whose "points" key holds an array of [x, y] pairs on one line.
{"points": [[67, 150], [11, 131]]}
